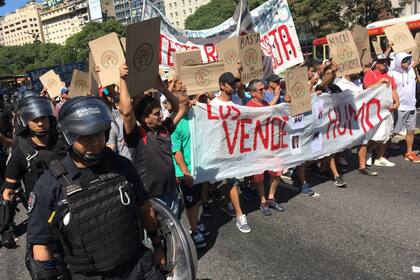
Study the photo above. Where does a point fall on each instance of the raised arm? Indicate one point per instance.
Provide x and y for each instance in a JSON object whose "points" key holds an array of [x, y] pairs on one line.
{"points": [[126, 107]]}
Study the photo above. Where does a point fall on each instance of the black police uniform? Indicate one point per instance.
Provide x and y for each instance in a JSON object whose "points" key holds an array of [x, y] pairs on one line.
{"points": [[93, 210]]}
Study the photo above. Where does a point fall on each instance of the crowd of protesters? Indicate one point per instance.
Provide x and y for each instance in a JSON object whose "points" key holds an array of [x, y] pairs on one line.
{"points": [[153, 132]]}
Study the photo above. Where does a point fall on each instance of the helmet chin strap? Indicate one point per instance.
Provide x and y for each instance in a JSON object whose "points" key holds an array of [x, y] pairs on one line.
{"points": [[38, 133], [89, 159]]}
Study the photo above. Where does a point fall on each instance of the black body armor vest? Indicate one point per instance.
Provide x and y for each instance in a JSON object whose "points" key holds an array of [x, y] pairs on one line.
{"points": [[97, 222]]}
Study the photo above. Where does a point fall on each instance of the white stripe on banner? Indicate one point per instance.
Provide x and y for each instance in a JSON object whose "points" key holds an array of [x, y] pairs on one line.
{"points": [[273, 20], [237, 141]]}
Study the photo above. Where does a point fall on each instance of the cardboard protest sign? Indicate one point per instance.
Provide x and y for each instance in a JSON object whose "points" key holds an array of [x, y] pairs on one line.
{"points": [[344, 52], [52, 82], [377, 47], [186, 59], [361, 39], [108, 56], [245, 48], [416, 52], [123, 41], [80, 83], [202, 78], [400, 35], [298, 88], [143, 55]]}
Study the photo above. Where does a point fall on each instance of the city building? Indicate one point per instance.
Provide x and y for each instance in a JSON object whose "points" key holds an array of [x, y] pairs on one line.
{"points": [[101, 10], [177, 11], [130, 11], [407, 7], [22, 26], [62, 19], [1, 32]]}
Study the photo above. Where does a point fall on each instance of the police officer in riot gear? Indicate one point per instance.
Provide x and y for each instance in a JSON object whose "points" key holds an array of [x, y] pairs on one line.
{"points": [[36, 144], [93, 204]]}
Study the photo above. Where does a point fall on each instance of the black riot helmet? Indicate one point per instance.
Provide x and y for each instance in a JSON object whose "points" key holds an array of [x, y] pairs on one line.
{"points": [[32, 106], [83, 116]]}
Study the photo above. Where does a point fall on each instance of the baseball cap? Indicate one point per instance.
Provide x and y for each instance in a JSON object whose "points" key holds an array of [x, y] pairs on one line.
{"points": [[227, 78], [64, 90], [273, 78], [380, 57]]}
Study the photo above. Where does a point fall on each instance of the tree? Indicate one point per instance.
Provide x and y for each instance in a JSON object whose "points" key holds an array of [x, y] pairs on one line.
{"points": [[211, 14], [2, 3]]}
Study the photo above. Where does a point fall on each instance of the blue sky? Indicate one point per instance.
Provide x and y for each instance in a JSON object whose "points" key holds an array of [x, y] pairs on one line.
{"points": [[12, 5]]}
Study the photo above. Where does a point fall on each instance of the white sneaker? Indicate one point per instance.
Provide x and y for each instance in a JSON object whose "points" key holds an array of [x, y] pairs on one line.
{"points": [[384, 162], [242, 224], [369, 159]]}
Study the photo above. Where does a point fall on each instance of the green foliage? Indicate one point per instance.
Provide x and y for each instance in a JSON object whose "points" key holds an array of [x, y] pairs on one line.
{"points": [[2, 3], [19, 59], [211, 14]]}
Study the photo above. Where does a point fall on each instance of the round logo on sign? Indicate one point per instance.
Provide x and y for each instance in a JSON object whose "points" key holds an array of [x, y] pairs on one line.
{"points": [[202, 77], [231, 57], [81, 84], [109, 59], [143, 57], [189, 62], [51, 83], [251, 57], [344, 52], [400, 37], [298, 90]]}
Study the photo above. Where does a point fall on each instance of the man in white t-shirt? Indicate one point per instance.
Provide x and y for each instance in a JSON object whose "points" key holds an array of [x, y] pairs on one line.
{"points": [[405, 116], [227, 83]]}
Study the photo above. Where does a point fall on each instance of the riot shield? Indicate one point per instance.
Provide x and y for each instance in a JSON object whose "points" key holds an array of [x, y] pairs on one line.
{"points": [[181, 254]]}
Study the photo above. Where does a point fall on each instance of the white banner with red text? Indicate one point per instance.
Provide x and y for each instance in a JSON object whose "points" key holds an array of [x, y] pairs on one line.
{"points": [[236, 141], [273, 20]]}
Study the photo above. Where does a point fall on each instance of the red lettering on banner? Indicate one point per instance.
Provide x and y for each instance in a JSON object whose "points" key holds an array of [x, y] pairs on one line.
{"points": [[210, 51], [222, 116], [209, 115], [280, 125], [286, 40], [352, 113], [376, 102], [244, 136], [231, 144], [277, 62], [238, 113], [332, 122], [258, 132], [170, 50], [341, 124]]}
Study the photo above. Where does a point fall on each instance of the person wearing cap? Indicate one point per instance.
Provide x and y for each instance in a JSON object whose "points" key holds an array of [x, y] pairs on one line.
{"points": [[33, 148], [93, 203], [227, 85], [64, 95], [273, 82], [376, 77], [406, 115]]}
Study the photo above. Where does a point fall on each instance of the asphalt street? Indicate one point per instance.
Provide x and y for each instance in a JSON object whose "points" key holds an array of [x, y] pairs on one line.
{"points": [[369, 230]]}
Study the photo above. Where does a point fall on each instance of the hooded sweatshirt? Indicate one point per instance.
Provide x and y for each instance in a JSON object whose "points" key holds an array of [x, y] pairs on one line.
{"points": [[406, 83]]}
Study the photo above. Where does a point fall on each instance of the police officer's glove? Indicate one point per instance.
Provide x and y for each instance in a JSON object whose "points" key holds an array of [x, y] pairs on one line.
{"points": [[7, 239]]}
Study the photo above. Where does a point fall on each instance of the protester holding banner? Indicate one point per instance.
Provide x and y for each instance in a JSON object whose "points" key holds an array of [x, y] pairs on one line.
{"points": [[227, 83], [377, 76], [151, 140], [406, 115], [256, 88]]}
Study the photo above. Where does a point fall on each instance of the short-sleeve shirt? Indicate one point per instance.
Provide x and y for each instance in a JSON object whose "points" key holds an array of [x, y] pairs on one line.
{"points": [[47, 191], [153, 157], [252, 103], [116, 137], [373, 76], [181, 141]]}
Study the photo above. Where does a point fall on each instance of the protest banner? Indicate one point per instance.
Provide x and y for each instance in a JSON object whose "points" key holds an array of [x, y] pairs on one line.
{"points": [[52, 83], [80, 84], [65, 71], [298, 88], [272, 20], [186, 58], [361, 39], [377, 47], [202, 78], [247, 140], [143, 56], [344, 52], [245, 48], [108, 56], [400, 35]]}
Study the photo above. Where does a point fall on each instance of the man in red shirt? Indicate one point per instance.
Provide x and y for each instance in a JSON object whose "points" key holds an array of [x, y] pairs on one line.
{"points": [[257, 92], [377, 76]]}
